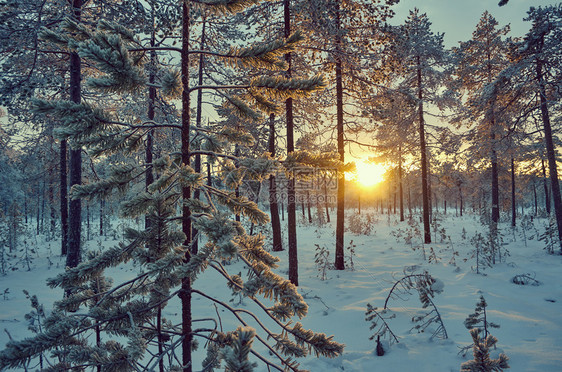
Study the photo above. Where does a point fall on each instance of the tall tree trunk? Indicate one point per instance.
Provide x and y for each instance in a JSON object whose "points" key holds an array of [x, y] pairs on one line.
{"points": [[513, 212], [536, 201], [291, 207], [460, 197], [495, 177], [63, 174], [237, 190], [545, 184], [185, 294], [102, 205], [401, 188], [198, 113], [149, 175], [326, 200], [425, 189], [273, 206], [75, 166], [308, 206], [340, 212], [88, 226], [409, 201], [550, 152], [51, 196]]}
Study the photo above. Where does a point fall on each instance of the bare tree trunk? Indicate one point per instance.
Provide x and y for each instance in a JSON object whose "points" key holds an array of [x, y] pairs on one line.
{"points": [[550, 152], [461, 199], [401, 188], [291, 207], [102, 205], [513, 212], [75, 166], [536, 202], [409, 201], [198, 113], [149, 175], [495, 180], [88, 227], [185, 294], [326, 200], [425, 189], [308, 206], [273, 206], [340, 212], [63, 174], [545, 184]]}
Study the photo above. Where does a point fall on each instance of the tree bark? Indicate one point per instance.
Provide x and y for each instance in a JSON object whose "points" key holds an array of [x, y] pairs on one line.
{"points": [[273, 205], [326, 199], [185, 294], [545, 185], [291, 206], [198, 113], [495, 178], [535, 195], [340, 211], [425, 190], [550, 152], [401, 188], [149, 175], [513, 212], [75, 166], [63, 174]]}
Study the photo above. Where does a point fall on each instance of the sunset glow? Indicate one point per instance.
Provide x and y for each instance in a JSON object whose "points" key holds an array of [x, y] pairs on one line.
{"points": [[369, 174]]}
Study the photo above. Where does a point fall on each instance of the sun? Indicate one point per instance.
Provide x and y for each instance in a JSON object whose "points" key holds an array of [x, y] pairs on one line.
{"points": [[369, 174]]}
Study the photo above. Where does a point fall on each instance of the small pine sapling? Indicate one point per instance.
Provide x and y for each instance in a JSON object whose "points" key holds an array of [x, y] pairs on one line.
{"points": [[481, 252], [455, 253], [481, 351], [379, 323], [432, 257], [550, 236], [479, 319], [349, 257], [437, 228], [427, 287], [526, 226], [525, 279], [35, 318], [322, 261]]}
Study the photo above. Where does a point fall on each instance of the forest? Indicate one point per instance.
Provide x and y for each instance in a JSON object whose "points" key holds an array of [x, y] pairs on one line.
{"points": [[248, 185]]}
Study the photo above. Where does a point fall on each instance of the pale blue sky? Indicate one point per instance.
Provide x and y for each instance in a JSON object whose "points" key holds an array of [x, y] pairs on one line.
{"points": [[458, 18]]}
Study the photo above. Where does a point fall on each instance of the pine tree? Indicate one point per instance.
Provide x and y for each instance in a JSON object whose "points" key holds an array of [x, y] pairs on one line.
{"points": [[481, 351], [419, 57], [349, 31], [481, 60], [164, 251], [478, 319], [540, 54]]}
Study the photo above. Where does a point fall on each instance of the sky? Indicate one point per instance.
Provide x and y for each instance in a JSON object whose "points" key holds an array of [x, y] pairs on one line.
{"points": [[458, 18]]}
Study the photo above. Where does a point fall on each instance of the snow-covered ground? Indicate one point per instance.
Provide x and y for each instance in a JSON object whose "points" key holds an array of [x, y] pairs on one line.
{"points": [[530, 319]]}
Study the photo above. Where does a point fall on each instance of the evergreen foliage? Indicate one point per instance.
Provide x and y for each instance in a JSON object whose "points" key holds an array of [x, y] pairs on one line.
{"points": [[478, 319], [482, 360], [121, 315]]}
